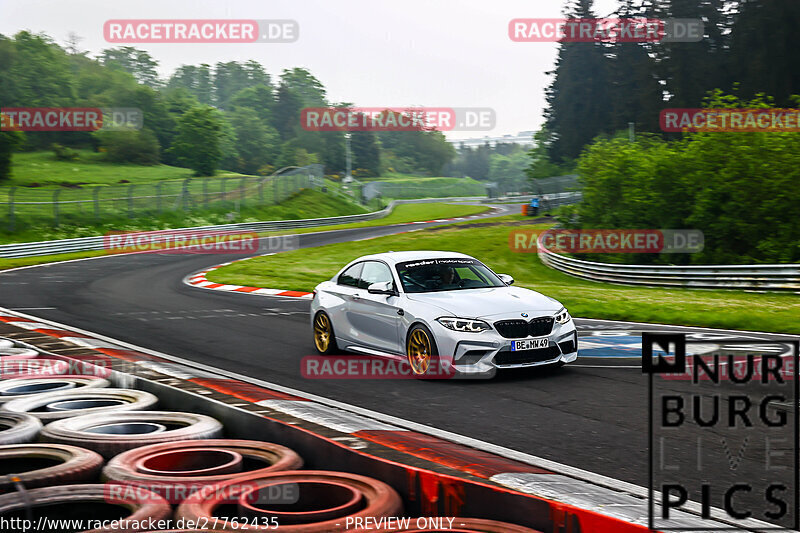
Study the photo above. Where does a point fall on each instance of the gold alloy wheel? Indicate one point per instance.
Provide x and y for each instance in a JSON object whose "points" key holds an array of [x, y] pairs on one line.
{"points": [[322, 332], [419, 351]]}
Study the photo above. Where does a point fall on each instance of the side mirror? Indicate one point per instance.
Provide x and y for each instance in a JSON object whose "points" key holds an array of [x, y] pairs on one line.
{"points": [[505, 278], [384, 287]]}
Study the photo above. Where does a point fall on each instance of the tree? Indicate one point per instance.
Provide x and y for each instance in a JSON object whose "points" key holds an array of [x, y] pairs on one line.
{"points": [[309, 90], [286, 114], [259, 99], [540, 164], [578, 98], [232, 77], [635, 89], [366, 154], [257, 143], [764, 51], [509, 170], [690, 69], [136, 62], [197, 145], [195, 79]]}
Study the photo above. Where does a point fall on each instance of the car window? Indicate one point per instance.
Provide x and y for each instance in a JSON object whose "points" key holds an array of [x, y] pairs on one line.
{"points": [[374, 272], [350, 276], [433, 275]]}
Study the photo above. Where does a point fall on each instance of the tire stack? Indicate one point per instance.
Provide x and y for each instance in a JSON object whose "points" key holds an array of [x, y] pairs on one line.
{"points": [[73, 447]]}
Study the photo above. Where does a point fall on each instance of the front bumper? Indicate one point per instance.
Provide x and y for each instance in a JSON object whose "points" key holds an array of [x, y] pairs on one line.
{"points": [[485, 352]]}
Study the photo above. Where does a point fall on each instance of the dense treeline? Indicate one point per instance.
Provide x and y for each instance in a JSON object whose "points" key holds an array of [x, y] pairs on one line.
{"points": [[749, 48], [504, 164], [230, 115], [740, 189]]}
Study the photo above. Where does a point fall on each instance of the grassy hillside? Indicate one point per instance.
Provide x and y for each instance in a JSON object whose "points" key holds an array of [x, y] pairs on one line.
{"points": [[305, 204], [418, 187], [90, 169]]}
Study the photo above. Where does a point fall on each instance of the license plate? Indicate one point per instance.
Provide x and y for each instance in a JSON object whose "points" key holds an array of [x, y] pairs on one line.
{"points": [[530, 344]]}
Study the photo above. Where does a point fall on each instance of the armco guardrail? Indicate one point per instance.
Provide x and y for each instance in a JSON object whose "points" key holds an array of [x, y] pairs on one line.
{"points": [[737, 277], [88, 244]]}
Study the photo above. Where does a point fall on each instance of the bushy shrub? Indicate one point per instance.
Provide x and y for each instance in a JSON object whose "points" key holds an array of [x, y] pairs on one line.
{"points": [[130, 146], [64, 153], [740, 189]]}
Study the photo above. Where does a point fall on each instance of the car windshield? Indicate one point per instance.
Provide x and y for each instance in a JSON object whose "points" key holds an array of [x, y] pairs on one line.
{"points": [[434, 275]]}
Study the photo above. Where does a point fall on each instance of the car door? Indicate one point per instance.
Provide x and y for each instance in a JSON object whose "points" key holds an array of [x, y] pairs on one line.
{"points": [[375, 317], [346, 288]]}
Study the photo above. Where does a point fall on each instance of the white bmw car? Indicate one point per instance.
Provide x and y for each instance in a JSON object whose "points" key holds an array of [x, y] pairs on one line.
{"points": [[439, 308]]}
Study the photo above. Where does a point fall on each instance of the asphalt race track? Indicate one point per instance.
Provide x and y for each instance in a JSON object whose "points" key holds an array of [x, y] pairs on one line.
{"points": [[591, 415]]}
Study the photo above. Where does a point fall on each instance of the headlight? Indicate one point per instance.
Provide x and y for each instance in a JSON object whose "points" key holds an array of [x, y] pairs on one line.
{"points": [[562, 317], [463, 324]]}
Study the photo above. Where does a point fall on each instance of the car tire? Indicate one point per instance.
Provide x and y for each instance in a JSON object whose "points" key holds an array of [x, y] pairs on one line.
{"points": [[15, 389], [377, 499], [134, 467], [118, 438], [421, 351], [324, 337], [82, 402], [72, 465], [18, 428]]}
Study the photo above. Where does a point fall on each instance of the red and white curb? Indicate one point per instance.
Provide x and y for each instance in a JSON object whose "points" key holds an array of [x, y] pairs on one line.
{"points": [[199, 279]]}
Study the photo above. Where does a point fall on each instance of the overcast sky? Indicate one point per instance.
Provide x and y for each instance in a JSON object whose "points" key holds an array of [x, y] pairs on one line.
{"points": [[440, 53]]}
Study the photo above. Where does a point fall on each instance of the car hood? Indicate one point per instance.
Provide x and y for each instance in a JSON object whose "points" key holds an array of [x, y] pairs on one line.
{"points": [[493, 301]]}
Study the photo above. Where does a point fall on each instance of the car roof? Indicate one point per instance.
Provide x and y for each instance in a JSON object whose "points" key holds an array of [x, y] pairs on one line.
{"points": [[400, 257]]}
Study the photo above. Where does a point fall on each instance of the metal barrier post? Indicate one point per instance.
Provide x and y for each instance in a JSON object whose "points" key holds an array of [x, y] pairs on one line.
{"points": [[130, 200], [96, 198], [56, 193], [185, 194], [11, 192]]}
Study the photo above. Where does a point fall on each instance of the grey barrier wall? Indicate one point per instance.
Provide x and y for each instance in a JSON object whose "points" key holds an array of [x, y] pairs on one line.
{"points": [[737, 277]]}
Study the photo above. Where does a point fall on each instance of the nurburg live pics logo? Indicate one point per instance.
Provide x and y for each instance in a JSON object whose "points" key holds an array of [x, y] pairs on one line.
{"points": [[723, 432]]}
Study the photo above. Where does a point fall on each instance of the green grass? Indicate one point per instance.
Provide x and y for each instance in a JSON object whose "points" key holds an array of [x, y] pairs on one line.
{"points": [[438, 187], [304, 269], [91, 191], [42, 259], [43, 168], [305, 204]]}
